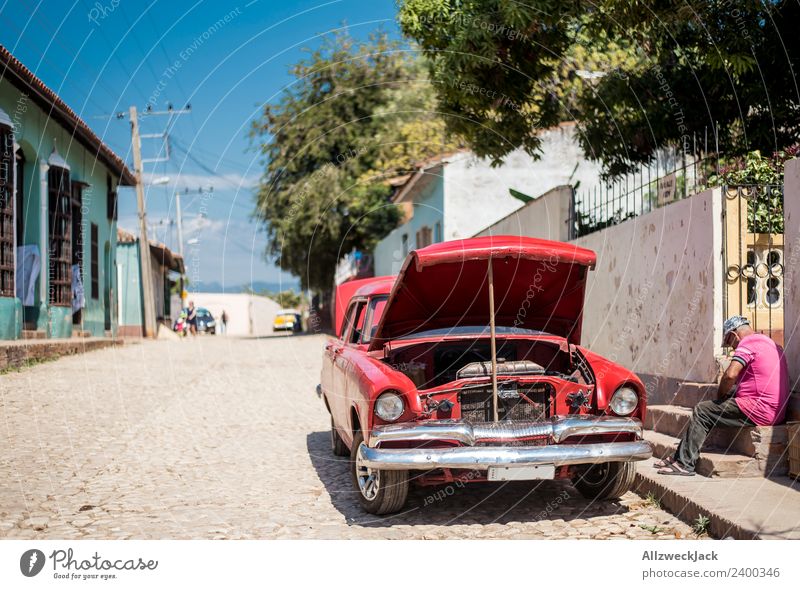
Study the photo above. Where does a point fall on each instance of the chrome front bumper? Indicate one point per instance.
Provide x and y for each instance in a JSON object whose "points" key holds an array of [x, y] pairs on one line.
{"points": [[470, 456]]}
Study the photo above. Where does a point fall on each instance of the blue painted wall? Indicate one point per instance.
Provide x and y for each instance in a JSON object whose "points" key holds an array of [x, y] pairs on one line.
{"points": [[428, 210]]}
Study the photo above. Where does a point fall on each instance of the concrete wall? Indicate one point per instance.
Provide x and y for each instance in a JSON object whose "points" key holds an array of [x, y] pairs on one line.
{"points": [[546, 217], [37, 133], [791, 293], [653, 303], [477, 195], [248, 315]]}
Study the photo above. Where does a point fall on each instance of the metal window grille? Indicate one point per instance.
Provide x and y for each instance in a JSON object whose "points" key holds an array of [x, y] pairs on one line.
{"points": [[60, 232], [6, 212]]}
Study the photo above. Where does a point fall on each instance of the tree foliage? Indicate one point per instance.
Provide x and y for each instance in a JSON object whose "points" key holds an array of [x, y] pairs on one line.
{"points": [[357, 114], [638, 76]]}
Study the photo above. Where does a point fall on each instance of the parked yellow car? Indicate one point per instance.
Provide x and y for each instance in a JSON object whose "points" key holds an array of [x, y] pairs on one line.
{"points": [[287, 320]]}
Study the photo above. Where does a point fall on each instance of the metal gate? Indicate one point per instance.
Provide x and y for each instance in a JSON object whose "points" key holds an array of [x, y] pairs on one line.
{"points": [[753, 256]]}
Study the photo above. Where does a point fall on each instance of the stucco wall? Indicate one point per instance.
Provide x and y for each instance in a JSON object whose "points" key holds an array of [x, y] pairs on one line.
{"points": [[477, 194], [791, 293], [546, 217], [652, 302]]}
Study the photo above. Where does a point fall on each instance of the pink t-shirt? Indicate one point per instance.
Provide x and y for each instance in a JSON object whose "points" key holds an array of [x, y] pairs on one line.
{"points": [[763, 387]]}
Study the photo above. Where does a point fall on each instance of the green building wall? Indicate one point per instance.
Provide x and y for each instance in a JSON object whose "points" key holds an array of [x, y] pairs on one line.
{"points": [[131, 311], [36, 133]]}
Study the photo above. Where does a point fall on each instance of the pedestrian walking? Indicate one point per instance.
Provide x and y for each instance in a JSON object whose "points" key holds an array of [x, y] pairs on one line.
{"points": [[191, 318], [224, 320]]}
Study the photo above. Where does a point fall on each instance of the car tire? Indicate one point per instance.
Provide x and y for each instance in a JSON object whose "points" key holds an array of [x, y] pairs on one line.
{"points": [[608, 480], [337, 444], [392, 485]]}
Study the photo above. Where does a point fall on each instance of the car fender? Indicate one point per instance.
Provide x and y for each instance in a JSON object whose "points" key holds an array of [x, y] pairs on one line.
{"points": [[609, 376], [374, 378]]}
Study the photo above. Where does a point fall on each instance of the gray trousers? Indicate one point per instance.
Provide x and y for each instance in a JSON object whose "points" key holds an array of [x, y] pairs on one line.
{"points": [[706, 415]]}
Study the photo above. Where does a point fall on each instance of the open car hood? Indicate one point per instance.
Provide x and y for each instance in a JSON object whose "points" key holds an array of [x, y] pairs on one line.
{"points": [[538, 284]]}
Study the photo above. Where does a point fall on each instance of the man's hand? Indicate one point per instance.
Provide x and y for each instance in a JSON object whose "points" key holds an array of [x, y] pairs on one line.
{"points": [[729, 379]]}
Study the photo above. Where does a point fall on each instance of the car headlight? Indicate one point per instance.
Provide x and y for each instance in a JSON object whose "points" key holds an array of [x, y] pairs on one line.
{"points": [[389, 406], [624, 401]]}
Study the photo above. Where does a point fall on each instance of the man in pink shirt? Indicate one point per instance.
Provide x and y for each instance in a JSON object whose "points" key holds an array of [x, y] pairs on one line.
{"points": [[753, 391]]}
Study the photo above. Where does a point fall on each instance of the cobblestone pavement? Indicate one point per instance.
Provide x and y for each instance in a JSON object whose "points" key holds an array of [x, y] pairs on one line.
{"points": [[224, 438]]}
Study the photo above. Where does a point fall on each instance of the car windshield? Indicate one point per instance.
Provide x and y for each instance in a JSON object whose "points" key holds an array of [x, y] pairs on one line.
{"points": [[375, 312], [474, 330]]}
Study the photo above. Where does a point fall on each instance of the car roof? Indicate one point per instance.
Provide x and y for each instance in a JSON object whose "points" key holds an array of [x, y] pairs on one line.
{"points": [[381, 285]]}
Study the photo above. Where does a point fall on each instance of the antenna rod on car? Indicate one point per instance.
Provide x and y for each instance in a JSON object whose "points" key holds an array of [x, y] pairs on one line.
{"points": [[492, 339]]}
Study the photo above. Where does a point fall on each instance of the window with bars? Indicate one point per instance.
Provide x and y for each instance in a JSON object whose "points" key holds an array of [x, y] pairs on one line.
{"points": [[60, 232], [95, 263], [6, 211], [77, 227]]}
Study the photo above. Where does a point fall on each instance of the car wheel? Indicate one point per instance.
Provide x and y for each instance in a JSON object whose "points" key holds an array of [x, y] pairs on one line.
{"points": [[379, 491], [608, 480], [337, 444]]}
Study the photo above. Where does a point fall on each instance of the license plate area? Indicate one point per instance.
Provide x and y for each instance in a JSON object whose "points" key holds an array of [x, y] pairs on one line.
{"points": [[522, 473]]}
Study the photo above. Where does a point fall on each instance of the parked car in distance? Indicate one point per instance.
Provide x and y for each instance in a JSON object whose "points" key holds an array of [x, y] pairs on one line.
{"points": [[205, 321], [419, 390], [288, 320]]}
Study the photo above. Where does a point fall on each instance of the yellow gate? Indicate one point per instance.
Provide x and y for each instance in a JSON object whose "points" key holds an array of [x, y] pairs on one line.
{"points": [[753, 256]]}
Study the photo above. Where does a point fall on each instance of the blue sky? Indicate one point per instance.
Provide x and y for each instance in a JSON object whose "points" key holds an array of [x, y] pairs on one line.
{"points": [[102, 56]]}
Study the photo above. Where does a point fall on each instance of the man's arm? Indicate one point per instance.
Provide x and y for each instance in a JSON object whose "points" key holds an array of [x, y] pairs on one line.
{"points": [[729, 378]]}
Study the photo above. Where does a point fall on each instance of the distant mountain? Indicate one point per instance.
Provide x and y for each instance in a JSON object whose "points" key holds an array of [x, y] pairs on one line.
{"points": [[257, 286]]}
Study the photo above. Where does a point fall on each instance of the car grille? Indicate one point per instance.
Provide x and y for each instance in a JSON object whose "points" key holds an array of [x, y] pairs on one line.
{"points": [[476, 404]]}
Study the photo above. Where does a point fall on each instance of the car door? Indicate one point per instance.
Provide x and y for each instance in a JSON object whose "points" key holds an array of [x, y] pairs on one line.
{"points": [[348, 359], [333, 378]]}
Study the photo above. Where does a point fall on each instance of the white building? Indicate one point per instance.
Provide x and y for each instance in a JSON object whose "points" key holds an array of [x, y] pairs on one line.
{"points": [[458, 196]]}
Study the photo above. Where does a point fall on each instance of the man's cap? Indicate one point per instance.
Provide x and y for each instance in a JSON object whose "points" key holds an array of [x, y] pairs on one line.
{"points": [[732, 324]]}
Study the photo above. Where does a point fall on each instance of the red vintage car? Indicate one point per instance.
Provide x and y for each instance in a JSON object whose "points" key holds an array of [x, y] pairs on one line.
{"points": [[467, 367]]}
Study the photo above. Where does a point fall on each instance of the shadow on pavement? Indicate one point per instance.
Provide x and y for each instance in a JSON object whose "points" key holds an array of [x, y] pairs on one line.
{"points": [[455, 504]]}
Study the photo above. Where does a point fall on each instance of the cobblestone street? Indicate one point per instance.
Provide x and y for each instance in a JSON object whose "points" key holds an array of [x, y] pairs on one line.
{"points": [[225, 438]]}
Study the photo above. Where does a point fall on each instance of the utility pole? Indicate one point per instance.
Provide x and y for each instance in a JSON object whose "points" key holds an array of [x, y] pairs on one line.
{"points": [[148, 295], [180, 244], [150, 327]]}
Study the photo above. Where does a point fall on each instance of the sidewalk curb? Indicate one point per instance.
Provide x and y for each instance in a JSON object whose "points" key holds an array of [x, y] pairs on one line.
{"points": [[688, 510]]}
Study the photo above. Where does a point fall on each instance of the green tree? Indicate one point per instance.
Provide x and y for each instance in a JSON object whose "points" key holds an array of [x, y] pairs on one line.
{"points": [[638, 76], [287, 299], [357, 114]]}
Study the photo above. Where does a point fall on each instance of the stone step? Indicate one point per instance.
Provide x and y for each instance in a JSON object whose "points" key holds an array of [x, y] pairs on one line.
{"points": [[33, 334], [689, 394], [752, 441], [710, 464]]}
